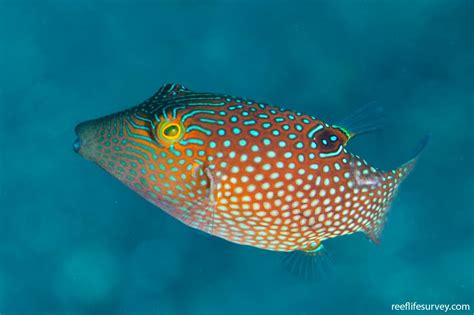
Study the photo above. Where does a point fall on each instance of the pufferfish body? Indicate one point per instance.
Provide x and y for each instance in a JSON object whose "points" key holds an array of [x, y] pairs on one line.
{"points": [[248, 172]]}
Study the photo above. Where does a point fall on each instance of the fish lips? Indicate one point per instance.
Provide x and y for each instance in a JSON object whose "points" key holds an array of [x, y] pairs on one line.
{"points": [[86, 143]]}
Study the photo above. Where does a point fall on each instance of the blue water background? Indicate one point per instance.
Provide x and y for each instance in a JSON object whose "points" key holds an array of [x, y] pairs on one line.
{"points": [[73, 240]]}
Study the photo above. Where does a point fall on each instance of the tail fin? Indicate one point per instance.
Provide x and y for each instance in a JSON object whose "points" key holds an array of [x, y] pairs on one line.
{"points": [[390, 182]]}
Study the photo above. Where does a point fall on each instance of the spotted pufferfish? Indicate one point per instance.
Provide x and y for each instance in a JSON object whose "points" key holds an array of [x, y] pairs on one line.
{"points": [[248, 172]]}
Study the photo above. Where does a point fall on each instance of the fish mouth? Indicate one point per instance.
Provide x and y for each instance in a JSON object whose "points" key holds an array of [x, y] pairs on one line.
{"points": [[76, 146], [86, 133]]}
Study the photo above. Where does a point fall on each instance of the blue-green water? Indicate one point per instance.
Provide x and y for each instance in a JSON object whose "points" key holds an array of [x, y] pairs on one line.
{"points": [[73, 240]]}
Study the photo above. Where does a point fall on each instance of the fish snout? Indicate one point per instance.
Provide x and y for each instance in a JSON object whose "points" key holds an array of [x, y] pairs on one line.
{"points": [[86, 137], [76, 146]]}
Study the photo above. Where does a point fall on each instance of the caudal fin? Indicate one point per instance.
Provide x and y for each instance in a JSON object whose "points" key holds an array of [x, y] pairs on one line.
{"points": [[390, 183]]}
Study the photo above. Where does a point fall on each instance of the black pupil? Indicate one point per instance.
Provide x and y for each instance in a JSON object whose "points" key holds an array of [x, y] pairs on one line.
{"points": [[171, 131]]}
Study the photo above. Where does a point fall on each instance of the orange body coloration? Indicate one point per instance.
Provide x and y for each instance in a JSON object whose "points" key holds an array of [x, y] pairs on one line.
{"points": [[248, 172]]}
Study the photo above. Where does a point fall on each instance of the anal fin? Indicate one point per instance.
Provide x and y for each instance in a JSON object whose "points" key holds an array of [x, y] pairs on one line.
{"points": [[310, 264]]}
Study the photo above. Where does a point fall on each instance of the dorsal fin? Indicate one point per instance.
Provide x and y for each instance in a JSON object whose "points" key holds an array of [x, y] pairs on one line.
{"points": [[366, 119], [331, 140], [171, 90]]}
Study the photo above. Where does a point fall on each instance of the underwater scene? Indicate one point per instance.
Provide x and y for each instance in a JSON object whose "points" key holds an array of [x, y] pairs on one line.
{"points": [[185, 157]]}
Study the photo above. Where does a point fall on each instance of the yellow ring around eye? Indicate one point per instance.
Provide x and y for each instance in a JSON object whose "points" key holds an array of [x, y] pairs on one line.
{"points": [[170, 131]]}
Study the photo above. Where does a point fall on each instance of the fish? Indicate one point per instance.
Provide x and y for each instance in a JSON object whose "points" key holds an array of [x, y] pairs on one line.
{"points": [[251, 173]]}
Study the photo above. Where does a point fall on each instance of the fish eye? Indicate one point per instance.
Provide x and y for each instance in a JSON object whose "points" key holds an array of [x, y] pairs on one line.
{"points": [[170, 131]]}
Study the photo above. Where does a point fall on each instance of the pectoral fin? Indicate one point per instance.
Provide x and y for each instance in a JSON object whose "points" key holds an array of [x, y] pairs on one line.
{"points": [[198, 210], [201, 214]]}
